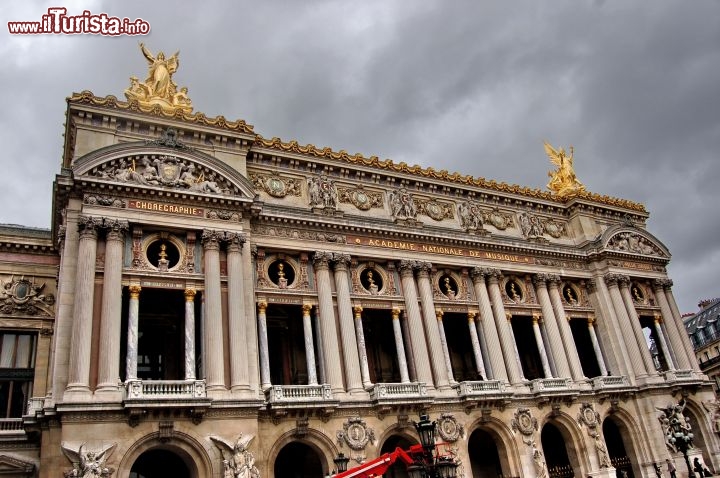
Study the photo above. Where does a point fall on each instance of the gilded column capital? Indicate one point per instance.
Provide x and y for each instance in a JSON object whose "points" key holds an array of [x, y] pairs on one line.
{"points": [[134, 291], [211, 239], [406, 267], [358, 311], [321, 260], [306, 308], [536, 318], [439, 314], [508, 316], [471, 316], [591, 320], [235, 241], [190, 295], [423, 268], [262, 306], [395, 312], [341, 261], [658, 318]]}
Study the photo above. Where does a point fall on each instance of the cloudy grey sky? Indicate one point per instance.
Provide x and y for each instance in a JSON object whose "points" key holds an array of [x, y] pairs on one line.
{"points": [[465, 85]]}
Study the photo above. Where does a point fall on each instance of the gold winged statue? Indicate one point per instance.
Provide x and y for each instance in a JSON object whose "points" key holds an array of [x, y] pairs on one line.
{"points": [[563, 182], [159, 87]]}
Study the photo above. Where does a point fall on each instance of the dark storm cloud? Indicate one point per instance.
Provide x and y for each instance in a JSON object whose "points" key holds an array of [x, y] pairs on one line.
{"points": [[467, 86]]}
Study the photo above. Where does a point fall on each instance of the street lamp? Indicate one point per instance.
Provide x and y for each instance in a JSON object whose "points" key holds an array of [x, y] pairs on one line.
{"points": [[432, 465], [341, 462]]}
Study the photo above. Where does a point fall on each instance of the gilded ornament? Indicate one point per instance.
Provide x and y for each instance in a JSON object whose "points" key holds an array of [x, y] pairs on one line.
{"points": [[563, 182], [159, 89], [360, 198]]}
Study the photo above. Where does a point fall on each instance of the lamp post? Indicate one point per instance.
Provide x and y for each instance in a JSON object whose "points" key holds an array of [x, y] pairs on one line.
{"points": [[432, 464], [341, 462]]}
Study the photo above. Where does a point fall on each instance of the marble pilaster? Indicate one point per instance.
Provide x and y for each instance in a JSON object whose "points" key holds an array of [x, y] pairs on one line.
{"points": [[131, 355], [263, 347]]}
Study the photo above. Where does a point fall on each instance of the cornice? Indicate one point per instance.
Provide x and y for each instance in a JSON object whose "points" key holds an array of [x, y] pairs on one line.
{"points": [[276, 144]]}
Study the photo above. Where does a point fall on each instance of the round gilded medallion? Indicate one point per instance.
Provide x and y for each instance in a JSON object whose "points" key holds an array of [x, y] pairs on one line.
{"points": [[276, 187]]}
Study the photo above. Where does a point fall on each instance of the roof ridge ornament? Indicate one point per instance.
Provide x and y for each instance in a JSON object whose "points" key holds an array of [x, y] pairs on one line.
{"points": [[159, 87], [168, 138], [563, 182]]}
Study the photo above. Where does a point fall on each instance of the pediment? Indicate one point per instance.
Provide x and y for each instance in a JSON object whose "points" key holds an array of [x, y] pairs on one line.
{"points": [[631, 240], [157, 164], [14, 466]]}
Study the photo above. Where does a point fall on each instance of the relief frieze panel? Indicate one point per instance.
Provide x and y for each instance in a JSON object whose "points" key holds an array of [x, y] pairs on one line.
{"points": [[360, 198], [25, 296], [275, 185], [98, 200], [635, 243], [435, 210], [534, 227], [166, 171], [291, 233]]}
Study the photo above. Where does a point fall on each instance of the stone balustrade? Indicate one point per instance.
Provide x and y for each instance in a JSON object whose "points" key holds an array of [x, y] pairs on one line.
{"points": [[165, 389], [279, 394]]}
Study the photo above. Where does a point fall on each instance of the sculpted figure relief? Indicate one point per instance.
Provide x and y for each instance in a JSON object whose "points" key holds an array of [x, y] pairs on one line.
{"points": [[238, 461], [322, 192], [88, 463], [562, 181], [402, 204]]}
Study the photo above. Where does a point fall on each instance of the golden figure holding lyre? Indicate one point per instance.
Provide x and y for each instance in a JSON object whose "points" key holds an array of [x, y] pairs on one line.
{"points": [[563, 181], [159, 87]]}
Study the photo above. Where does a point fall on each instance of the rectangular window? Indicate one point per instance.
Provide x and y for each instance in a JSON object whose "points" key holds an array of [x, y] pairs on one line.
{"points": [[17, 370]]}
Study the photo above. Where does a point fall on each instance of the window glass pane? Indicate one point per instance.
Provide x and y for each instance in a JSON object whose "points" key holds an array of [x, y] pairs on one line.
{"points": [[8, 350], [24, 349]]}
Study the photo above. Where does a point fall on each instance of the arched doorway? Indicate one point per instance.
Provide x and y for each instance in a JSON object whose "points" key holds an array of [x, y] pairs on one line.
{"points": [[556, 455], [298, 460], [484, 456], [616, 449], [398, 469], [159, 463]]}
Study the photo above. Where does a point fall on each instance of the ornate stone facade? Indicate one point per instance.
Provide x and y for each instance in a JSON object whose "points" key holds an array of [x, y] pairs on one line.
{"points": [[319, 302]]}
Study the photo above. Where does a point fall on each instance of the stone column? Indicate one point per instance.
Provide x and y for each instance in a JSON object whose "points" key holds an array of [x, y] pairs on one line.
{"points": [[596, 346], [624, 286], [79, 369], [399, 347], [443, 342], [322, 375], [676, 342], [541, 346], [131, 357], [328, 329], [661, 341], [309, 345], [409, 354], [263, 345], [617, 357], [213, 327], [501, 322], [479, 362], [490, 332], [564, 327], [636, 363], [508, 317], [432, 331], [237, 335], [190, 334], [362, 351], [677, 321], [110, 313], [351, 359], [551, 325], [251, 332], [421, 359]]}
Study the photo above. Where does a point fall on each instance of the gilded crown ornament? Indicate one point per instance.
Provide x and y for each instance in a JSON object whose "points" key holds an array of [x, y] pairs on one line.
{"points": [[159, 87], [563, 182]]}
